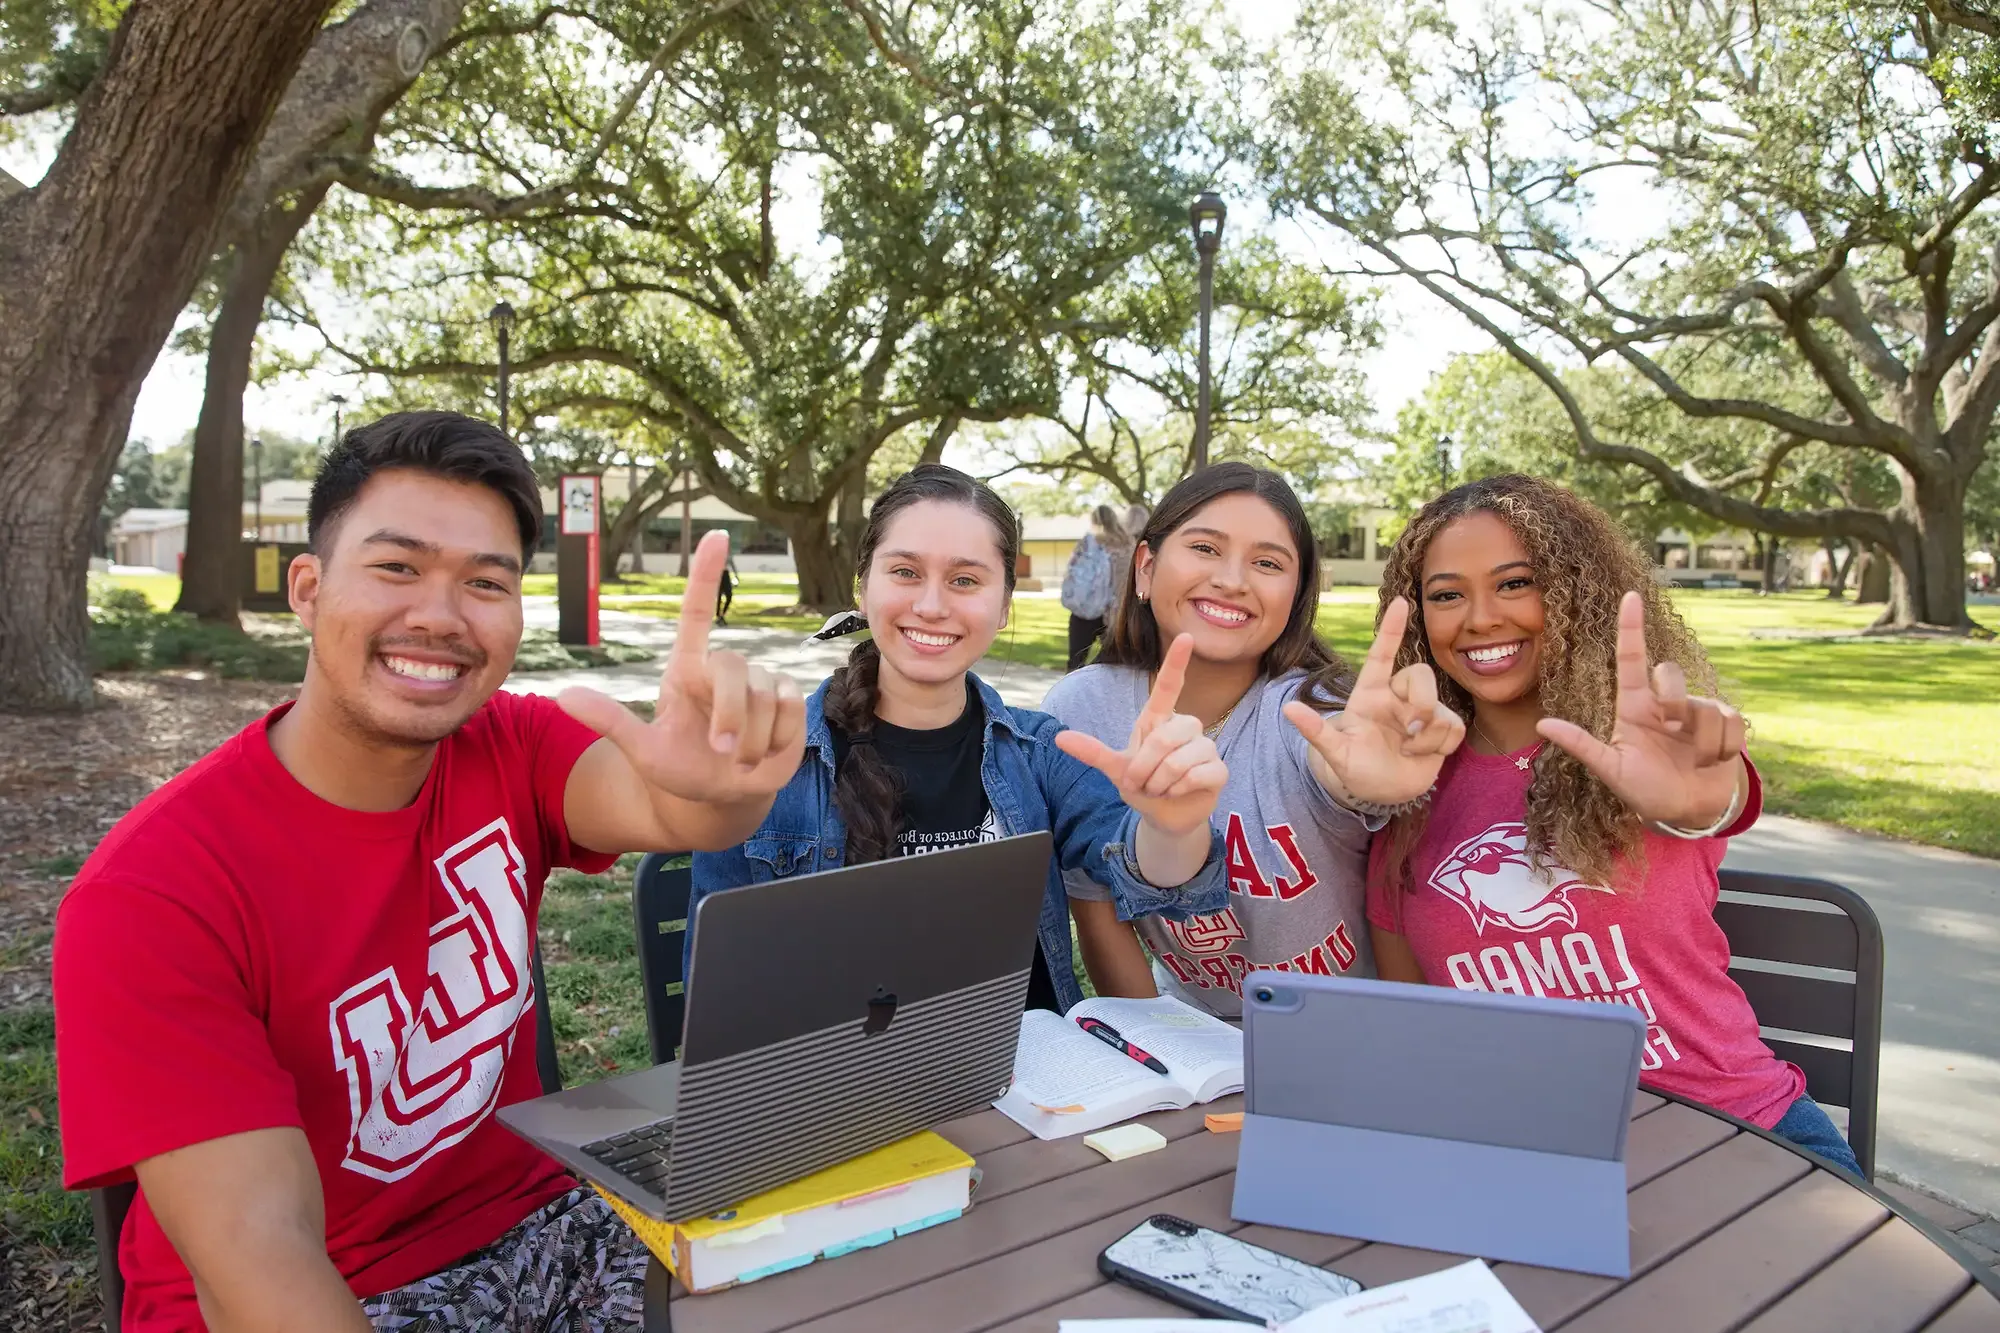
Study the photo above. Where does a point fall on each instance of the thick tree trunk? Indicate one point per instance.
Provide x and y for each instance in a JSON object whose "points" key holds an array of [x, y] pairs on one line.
{"points": [[95, 262], [212, 578], [1927, 584], [826, 582], [1839, 563], [1871, 580], [616, 540]]}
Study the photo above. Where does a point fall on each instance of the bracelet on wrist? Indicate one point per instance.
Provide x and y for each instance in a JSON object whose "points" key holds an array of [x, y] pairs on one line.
{"points": [[1729, 816], [1378, 810]]}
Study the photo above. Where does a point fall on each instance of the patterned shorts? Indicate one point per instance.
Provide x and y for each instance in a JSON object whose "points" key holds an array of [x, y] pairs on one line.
{"points": [[570, 1267]]}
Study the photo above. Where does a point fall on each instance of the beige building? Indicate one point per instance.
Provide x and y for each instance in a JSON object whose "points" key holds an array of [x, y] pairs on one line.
{"points": [[157, 538], [1352, 556]]}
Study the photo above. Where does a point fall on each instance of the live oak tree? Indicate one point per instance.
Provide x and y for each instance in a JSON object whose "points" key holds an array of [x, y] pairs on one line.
{"points": [[1795, 186], [96, 260], [1486, 414], [355, 70], [1286, 392], [829, 226], [357, 73]]}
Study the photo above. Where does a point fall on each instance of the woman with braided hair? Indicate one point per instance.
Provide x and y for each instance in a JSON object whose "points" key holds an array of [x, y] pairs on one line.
{"points": [[1572, 843], [908, 752]]}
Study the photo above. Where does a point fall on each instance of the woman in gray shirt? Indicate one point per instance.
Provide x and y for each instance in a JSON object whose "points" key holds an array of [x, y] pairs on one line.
{"points": [[1317, 757]]}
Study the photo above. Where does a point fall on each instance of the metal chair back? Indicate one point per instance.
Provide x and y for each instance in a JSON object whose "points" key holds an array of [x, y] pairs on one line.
{"points": [[1827, 1021], [660, 894]]}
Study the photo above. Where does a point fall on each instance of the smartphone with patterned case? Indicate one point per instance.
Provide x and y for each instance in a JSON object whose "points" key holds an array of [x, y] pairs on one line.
{"points": [[1217, 1275]]}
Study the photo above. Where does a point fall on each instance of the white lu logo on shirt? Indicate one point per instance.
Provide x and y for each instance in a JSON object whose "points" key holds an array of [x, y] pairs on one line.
{"points": [[419, 1083], [1491, 877]]}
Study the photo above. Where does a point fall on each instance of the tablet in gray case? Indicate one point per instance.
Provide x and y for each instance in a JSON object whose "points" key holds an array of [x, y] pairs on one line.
{"points": [[1460, 1121]]}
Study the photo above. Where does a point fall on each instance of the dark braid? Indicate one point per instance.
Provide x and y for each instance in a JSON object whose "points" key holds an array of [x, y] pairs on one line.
{"points": [[867, 792]]}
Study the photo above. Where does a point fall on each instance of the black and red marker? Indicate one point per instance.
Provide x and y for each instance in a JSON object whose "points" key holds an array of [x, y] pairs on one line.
{"points": [[1109, 1035]]}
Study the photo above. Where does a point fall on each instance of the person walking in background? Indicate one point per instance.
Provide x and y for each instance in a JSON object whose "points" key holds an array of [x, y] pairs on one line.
{"points": [[1090, 584], [725, 591]]}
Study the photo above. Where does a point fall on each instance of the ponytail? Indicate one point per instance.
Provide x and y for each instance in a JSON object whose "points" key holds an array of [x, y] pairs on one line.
{"points": [[867, 792]]}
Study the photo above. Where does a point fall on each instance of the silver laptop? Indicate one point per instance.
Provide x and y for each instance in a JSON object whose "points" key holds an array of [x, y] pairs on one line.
{"points": [[827, 1015], [1439, 1119]]}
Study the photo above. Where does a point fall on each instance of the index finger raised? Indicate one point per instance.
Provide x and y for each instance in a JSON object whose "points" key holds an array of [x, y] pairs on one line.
{"points": [[698, 602], [1380, 664], [1632, 672], [1168, 681]]}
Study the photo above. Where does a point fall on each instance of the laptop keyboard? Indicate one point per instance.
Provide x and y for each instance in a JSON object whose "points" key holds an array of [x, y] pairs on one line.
{"points": [[639, 1155]]}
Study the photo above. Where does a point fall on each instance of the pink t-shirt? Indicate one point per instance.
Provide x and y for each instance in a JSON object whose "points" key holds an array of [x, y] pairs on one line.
{"points": [[1478, 916]]}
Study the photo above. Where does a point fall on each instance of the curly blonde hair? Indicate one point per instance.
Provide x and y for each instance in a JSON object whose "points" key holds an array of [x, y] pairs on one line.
{"points": [[1584, 565]]}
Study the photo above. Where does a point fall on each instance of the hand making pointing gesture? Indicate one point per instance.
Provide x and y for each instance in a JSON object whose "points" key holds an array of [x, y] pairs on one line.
{"points": [[1168, 771], [1386, 746], [1673, 758], [724, 730]]}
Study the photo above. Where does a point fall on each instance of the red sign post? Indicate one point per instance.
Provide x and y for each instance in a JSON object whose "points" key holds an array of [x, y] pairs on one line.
{"points": [[578, 499]]}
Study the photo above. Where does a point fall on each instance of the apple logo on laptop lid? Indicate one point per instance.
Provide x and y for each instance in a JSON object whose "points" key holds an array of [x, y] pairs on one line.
{"points": [[881, 1012]]}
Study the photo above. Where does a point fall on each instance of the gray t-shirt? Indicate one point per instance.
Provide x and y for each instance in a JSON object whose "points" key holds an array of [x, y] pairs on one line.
{"points": [[1297, 859]]}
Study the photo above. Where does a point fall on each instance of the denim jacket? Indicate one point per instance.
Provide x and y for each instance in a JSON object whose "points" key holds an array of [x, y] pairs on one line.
{"points": [[1030, 785]]}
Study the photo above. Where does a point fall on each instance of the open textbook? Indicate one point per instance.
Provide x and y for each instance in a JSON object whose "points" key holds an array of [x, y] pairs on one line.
{"points": [[1069, 1082], [1465, 1299]]}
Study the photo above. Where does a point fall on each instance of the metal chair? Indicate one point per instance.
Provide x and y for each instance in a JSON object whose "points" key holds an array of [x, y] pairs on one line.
{"points": [[660, 894], [109, 1205], [1839, 1009]]}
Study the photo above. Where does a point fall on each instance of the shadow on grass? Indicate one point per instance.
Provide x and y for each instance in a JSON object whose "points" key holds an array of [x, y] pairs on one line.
{"points": [[1881, 674], [1799, 781]]}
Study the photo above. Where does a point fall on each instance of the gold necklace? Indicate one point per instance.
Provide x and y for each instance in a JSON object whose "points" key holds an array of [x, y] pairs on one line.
{"points": [[1522, 762], [1211, 731]]}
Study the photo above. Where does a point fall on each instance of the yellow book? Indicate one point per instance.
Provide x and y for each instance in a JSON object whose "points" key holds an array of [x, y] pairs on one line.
{"points": [[911, 1184]]}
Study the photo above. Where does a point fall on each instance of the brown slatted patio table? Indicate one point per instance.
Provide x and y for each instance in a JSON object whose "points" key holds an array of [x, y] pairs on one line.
{"points": [[1730, 1230]]}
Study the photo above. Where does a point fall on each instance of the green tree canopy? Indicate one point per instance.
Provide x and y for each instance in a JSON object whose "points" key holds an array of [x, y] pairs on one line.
{"points": [[1802, 243]]}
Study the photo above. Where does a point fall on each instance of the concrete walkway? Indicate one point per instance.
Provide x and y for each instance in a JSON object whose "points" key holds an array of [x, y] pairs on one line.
{"points": [[1939, 1118], [808, 664]]}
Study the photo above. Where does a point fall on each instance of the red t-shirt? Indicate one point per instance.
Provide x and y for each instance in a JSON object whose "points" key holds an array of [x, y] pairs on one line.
{"points": [[1478, 916], [239, 954]]}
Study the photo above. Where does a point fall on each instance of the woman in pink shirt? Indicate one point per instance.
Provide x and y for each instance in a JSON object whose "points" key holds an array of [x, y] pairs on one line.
{"points": [[1571, 846]]}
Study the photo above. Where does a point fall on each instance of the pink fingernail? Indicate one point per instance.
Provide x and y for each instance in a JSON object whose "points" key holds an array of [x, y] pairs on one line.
{"points": [[726, 742]]}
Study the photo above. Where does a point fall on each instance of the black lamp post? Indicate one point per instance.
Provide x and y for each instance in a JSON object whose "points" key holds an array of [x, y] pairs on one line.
{"points": [[338, 402], [1444, 462], [502, 316], [257, 483], [1205, 217]]}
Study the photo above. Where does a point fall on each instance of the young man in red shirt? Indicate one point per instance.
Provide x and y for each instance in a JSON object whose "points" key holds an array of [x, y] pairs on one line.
{"points": [[292, 985]]}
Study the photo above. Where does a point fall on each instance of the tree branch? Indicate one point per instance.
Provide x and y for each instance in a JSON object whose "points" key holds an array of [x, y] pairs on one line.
{"points": [[521, 27], [361, 175], [941, 434], [27, 101], [1690, 491], [1958, 16]]}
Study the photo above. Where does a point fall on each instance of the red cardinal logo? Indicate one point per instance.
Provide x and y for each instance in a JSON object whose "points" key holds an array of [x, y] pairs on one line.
{"points": [[1200, 935], [1491, 877]]}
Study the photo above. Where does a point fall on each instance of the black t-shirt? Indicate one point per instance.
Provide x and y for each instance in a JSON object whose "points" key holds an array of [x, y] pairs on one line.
{"points": [[944, 800]]}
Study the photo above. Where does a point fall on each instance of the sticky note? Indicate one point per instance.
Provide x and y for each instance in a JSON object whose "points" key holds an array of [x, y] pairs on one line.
{"points": [[1124, 1141], [1228, 1122]]}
